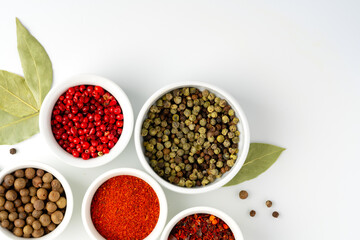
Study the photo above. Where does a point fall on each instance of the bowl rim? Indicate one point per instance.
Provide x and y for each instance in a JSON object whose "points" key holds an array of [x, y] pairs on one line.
{"points": [[241, 157], [86, 203], [69, 197], [86, 79], [205, 210]]}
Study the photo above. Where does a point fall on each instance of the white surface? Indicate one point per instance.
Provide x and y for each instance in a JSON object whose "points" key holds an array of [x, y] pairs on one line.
{"points": [[292, 65], [85, 211], [47, 109], [4, 233], [242, 126], [206, 210]]}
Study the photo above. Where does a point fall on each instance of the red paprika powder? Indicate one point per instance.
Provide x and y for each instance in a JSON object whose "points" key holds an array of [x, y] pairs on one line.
{"points": [[201, 227], [125, 207]]}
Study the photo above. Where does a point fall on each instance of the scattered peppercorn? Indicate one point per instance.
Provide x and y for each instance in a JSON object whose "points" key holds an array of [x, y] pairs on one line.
{"points": [[190, 137], [27, 202], [243, 194], [268, 203], [252, 213], [87, 121], [12, 151], [275, 214], [204, 225]]}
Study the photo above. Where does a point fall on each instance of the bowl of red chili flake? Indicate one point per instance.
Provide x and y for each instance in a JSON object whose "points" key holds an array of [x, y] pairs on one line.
{"points": [[203, 223], [86, 121], [124, 204]]}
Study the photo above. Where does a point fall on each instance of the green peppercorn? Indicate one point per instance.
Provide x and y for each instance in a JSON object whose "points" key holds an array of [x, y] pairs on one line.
{"points": [[187, 130]]}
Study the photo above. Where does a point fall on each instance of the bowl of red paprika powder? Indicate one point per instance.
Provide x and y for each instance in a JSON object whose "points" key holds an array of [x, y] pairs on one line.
{"points": [[202, 222], [124, 203], [87, 121]]}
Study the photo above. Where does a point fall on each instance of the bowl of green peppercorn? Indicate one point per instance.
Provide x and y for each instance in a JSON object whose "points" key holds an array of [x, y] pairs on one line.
{"points": [[192, 137]]}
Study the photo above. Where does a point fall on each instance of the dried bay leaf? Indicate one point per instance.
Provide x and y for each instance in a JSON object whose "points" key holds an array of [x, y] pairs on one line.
{"points": [[16, 129], [15, 95], [21, 98], [35, 62], [261, 156]]}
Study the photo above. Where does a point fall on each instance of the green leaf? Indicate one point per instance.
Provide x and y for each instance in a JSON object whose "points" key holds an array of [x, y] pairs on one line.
{"points": [[35, 62], [261, 156], [14, 129], [15, 95]]}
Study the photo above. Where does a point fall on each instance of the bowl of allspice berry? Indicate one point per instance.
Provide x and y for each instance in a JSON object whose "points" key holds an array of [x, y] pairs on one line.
{"points": [[35, 202], [192, 137]]}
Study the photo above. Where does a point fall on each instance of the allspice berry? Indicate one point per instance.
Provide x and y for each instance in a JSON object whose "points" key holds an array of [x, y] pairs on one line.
{"points": [[61, 203], [42, 194], [30, 220], [252, 213], [46, 186], [57, 217], [17, 203], [51, 207], [12, 151], [243, 194], [18, 231], [28, 230], [32, 191], [33, 199], [30, 173], [9, 206], [45, 220], [5, 223], [13, 216], [51, 227], [2, 190], [38, 233], [24, 192], [37, 182], [55, 185], [22, 215], [40, 172], [25, 199], [47, 178], [39, 204], [275, 214], [36, 213], [3, 215], [9, 180], [19, 173], [36, 225], [19, 223], [11, 195], [54, 196], [268, 203]]}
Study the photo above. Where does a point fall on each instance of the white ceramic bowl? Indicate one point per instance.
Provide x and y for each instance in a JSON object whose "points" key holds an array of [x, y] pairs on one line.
{"points": [[48, 105], [242, 127], [6, 234], [206, 210], [86, 205]]}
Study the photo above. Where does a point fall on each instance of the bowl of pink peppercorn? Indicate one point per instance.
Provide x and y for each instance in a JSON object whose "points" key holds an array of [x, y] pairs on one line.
{"points": [[86, 121]]}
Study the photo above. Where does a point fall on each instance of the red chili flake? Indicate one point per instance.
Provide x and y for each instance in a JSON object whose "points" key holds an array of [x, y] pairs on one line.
{"points": [[125, 207], [201, 227]]}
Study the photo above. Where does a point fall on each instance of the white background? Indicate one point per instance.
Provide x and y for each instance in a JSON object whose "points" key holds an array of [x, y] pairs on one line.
{"points": [[292, 65]]}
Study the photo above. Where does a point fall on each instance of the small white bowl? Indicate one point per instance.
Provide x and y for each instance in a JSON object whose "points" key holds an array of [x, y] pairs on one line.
{"points": [[243, 127], [206, 210], [6, 234], [86, 205], [49, 103]]}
